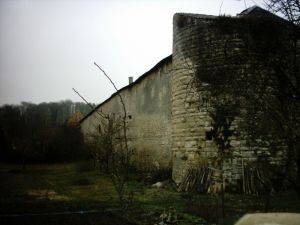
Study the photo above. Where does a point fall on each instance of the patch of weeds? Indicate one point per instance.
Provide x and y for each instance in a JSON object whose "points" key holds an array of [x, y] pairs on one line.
{"points": [[192, 219], [286, 202], [173, 216], [59, 187], [208, 211], [83, 182], [85, 166], [169, 216]]}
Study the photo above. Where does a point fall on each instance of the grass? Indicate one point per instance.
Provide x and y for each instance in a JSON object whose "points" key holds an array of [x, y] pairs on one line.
{"points": [[76, 187]]}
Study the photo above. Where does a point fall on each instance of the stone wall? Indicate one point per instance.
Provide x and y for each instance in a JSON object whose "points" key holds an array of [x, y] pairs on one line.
{"points": [[196, 40], [167, 126], [148, 105], [190, 123]]}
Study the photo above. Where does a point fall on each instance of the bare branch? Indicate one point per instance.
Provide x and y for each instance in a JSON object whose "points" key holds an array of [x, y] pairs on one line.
{"points": [[290, 9], [117, 91], [89, 104], [124, 110]]}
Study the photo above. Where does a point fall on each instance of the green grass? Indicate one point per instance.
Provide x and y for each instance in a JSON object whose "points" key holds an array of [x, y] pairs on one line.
{"points": [[76, 186]]}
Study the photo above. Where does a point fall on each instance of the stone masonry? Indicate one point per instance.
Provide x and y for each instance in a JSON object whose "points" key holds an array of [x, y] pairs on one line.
{"points": [[167, 127]]}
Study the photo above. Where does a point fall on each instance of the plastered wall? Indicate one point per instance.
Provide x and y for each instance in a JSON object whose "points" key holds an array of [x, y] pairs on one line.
{"points": [[148, 105]]}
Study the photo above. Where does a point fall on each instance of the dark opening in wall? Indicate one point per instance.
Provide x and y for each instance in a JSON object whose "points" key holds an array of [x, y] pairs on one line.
{"points": [[208, 135], [129, 117]]}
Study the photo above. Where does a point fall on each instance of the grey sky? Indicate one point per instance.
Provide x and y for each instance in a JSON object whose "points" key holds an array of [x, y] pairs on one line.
{"points": [[48, 47]]}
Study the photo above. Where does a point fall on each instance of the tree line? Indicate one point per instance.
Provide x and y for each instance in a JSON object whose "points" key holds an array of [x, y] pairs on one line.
{"points": [[45, 132]]}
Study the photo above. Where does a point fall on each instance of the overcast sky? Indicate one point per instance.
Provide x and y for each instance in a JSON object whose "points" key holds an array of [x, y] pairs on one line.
{"points": [[48, 47]]}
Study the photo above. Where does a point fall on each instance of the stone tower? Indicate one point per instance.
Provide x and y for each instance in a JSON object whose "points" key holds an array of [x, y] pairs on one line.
{"points": [[190, 122], [201, 43]]}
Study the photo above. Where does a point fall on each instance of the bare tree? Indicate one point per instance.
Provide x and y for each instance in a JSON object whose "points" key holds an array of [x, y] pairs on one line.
{"points": [[290, 9], [124, 113], [110, 147]]}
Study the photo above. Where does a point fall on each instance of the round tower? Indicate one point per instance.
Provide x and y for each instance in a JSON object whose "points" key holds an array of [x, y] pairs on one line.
{"points": [[190, 121]]}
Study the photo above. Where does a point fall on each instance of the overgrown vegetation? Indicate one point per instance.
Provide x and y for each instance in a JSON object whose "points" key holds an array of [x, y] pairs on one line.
{"points": [[290, 9], [75, 187], [109, 146], [254, 80], [246, 76]]}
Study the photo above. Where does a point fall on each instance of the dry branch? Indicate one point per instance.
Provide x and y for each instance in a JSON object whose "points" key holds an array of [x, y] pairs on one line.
{"points": [[89, 104], [124, 110]]}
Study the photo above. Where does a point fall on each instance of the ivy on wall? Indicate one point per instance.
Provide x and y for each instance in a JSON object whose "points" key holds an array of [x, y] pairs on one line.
{"points": [[251, 66]]}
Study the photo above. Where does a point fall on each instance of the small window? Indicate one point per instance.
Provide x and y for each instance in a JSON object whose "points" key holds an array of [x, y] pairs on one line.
{"points": [[208, 135], [130, 117]]}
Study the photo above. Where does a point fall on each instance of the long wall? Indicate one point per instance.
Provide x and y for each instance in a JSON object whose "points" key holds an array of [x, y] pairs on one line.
{"points": [[166, 125], [148, 105]]}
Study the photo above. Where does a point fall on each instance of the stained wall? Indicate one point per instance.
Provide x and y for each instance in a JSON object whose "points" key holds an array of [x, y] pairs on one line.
{"points": [[167, 127], [148, 106], [196, 40]]}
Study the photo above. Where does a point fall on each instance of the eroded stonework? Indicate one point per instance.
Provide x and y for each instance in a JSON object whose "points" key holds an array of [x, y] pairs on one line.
{"points": [[167, 127]]}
